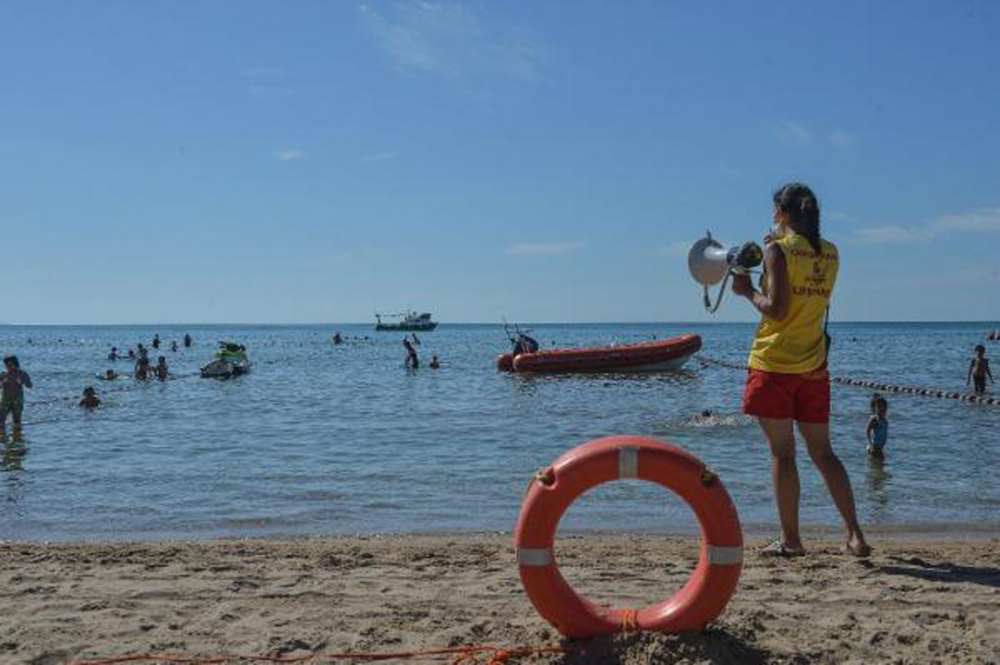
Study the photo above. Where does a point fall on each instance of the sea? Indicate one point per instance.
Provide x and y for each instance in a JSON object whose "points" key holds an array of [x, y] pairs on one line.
{"points": [[324, 439]]}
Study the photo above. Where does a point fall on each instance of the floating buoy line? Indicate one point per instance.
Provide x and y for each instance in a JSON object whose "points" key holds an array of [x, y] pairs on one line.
{"points": [[877, 385]]}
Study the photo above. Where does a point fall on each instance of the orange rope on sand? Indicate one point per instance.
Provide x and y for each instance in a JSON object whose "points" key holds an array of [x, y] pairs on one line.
{"points": [[461, 656]]}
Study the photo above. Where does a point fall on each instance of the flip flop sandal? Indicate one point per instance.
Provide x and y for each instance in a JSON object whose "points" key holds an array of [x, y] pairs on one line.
{"points": [[780, 549]]}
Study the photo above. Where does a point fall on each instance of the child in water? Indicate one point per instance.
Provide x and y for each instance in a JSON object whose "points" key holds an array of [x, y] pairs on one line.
{"points": [[979, 369], [878, 426], [90, 399], [161, 370], [14, 381], [434, 363]]}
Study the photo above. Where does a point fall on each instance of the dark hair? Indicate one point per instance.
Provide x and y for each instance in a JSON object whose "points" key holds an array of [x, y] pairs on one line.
{"points": [[876, 400], [800, 204], [980, 347], [13, 361]]}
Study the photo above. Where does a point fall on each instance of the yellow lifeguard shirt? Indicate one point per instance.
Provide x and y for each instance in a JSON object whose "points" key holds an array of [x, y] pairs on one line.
{"points": [[796, 345]]}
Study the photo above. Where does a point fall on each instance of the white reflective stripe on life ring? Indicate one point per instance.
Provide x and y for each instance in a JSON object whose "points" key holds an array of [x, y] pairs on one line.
{"points": [[535, 557], [628, 462], [725, 556]]}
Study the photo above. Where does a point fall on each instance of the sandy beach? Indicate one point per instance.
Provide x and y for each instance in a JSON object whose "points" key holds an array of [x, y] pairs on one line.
{"points": [[915, 601]]}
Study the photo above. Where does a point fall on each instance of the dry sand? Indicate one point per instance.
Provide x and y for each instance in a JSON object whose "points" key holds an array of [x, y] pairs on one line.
{"points": [[913, 602]]}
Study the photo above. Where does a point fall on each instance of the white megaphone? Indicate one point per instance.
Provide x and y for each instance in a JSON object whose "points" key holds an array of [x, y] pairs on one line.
{"points": [[711, 263]]}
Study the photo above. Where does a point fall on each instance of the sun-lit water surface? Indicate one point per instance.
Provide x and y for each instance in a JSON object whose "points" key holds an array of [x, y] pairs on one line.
{"points": [[324, 439]]}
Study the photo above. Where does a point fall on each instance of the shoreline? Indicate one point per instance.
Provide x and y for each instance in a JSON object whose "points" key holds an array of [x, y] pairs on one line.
{"points": [[932, 532], [915, 600]]}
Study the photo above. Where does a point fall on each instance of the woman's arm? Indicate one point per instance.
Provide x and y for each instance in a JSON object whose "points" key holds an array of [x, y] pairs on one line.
{"points": [[774, 305]]}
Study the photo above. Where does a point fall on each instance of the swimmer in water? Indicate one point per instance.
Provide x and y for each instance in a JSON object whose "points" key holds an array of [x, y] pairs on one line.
{"points": [[90, 399], [161, 371]]}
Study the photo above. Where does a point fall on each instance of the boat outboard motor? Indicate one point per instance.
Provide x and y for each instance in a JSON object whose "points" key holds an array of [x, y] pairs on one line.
{"points": [[711, 263]]}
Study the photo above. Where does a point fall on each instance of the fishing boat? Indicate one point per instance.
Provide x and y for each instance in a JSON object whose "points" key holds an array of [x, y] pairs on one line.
{"points": [[230, 360], [408, 322], [661, 356]]}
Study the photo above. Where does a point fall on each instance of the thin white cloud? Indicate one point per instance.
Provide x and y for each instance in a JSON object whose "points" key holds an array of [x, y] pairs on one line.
{"points": [[542, 248], [793, 135], [841, 139], [838, 216], [379, 156], [675, 250], [978, 276], [262, 72], [449, 40], [289, 155], [984, 221]]}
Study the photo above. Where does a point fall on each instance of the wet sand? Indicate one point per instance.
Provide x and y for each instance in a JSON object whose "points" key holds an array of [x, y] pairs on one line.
{"points": [[914, 601]]}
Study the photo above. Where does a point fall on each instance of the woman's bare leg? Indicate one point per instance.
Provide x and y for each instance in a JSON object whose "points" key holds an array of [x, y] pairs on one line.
{"points": [[817, 436], [781, 439]]}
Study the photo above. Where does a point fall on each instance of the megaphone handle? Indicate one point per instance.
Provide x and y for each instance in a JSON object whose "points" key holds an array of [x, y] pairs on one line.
{"points": [[722, 291]]}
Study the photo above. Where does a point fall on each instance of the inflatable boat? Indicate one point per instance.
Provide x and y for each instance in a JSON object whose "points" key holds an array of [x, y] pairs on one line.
{"points": [[663, 356]]}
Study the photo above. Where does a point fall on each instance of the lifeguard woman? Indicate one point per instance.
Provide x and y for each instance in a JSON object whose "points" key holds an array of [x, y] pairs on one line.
{"points": [[788, 380]]}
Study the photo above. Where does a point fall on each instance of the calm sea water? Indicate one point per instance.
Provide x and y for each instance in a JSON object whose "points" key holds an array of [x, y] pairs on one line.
{"points": [[324, 439]]}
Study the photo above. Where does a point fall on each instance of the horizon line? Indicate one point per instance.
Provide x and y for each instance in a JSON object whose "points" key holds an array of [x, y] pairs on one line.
{"points": [[473, 323]]}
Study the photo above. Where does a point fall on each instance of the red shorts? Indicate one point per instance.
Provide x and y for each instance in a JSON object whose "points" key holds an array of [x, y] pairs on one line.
{"points": [[802, 397]]}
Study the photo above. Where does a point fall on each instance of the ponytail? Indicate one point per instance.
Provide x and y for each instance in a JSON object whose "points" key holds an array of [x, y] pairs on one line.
{"points": [[802, 208]]}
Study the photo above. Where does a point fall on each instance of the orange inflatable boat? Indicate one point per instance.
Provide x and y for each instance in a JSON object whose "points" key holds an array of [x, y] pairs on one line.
{"points": [[663, 356]]}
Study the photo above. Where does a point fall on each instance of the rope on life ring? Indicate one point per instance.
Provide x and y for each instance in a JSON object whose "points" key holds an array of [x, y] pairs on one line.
{"points": [[714, 580]]}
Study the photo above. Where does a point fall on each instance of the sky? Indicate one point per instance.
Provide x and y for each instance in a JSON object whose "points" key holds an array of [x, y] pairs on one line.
{"points": [[318, 161]]}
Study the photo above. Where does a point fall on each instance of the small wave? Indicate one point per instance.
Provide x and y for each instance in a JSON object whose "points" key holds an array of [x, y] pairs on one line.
{"points": [[706, 420]]}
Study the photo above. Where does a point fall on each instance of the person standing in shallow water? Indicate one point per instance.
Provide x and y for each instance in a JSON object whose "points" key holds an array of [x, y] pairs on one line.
{"points": [[787, 381], [412, 362], [13, 383]]}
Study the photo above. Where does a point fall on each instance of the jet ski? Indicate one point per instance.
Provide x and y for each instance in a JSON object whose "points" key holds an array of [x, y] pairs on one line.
{"points": [[230, 360]]}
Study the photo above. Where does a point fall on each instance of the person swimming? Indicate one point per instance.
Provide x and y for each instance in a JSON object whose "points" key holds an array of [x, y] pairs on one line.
{"points": [[90, 399]]}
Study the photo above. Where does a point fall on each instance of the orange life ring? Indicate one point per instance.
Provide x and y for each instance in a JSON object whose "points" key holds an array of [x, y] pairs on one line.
{"points": [[554, 489]]}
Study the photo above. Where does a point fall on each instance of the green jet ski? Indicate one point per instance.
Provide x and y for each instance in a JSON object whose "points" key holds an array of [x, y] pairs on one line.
{"points": [[230, 360]]}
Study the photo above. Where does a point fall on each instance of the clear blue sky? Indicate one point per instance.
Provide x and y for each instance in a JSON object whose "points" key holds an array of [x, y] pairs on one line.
{"points": [[303, 161]]}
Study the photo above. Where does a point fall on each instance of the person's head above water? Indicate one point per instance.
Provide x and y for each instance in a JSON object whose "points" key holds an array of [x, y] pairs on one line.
{"points": [[796, 207], [980, 350], [11, 362], [88, 391], [878, 404]]}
